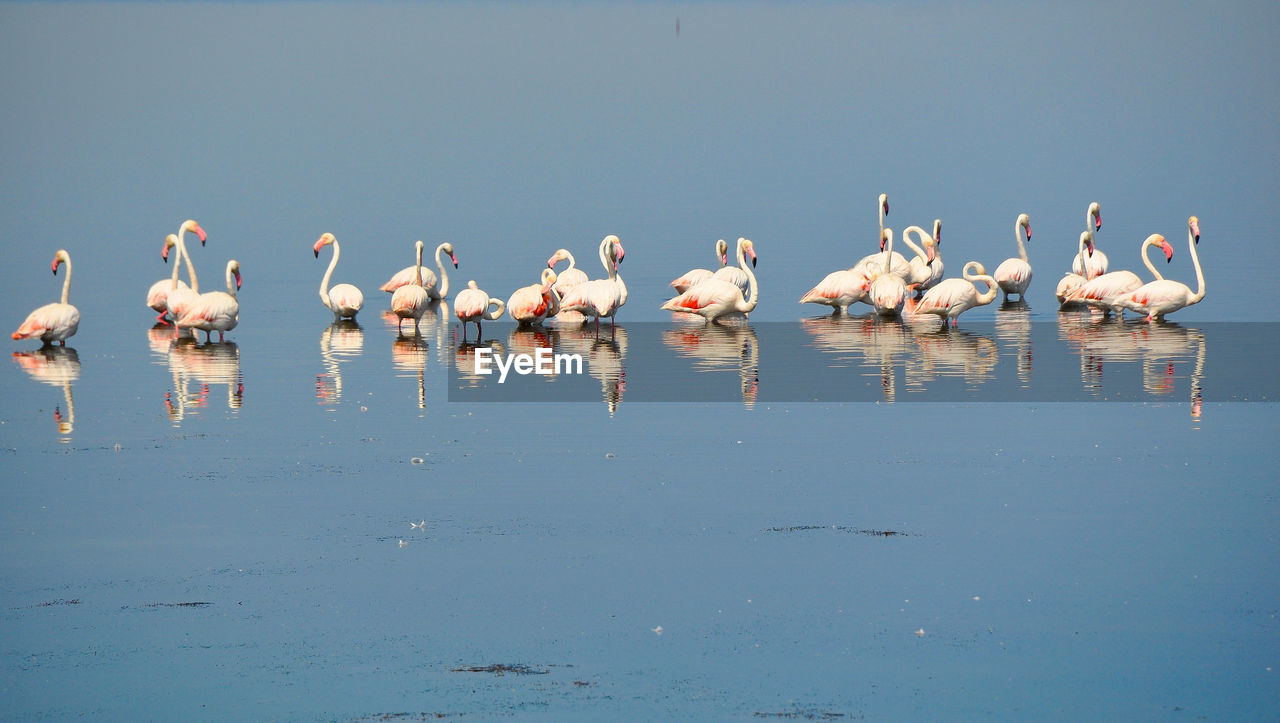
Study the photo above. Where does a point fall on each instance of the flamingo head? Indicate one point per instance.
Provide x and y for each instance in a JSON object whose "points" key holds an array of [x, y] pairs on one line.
{"points": [[325, 240], [884, 203], [194, 228], [1193, 223], [548, 280], [929, 252], [748, 249], [448, 249], [1025, 222], [235, 271], [169, 242], [557, 257], [619, 253], [1095, 212], [722, 250], [1156, 239], [1087, 238], [937, 231], [60, 258], [882, 241]]}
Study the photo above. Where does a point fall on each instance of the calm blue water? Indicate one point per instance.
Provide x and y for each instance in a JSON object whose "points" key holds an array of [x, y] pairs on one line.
{"points": [[310, 521]]}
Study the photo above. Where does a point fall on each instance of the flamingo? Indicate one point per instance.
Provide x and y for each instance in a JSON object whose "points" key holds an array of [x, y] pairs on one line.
{"points": [[472, 304], [888, 292], [568, 278], [1095, 264], [1014, 275], [215, 311], [1161, 297], [426, 277], [734, 275], [694, 277], [1072, 281], [344, 300], [177, 299], [57, 321], [600, 297], [714, 297], [925, 268], [871, 260], [158, 294], [531, 304], [952, 297], [839, 290], [410, 301], [1103, 291]]}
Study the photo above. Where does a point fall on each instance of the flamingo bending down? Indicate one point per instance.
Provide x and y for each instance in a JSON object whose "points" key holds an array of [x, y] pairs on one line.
{"points": [[472, 304], [215, 311], [925, 268], [694, 277], [1103, 291], [178, 299], [1072, 281], [344, 300], [952, 297], [600, 297], [568, 278], [57, 321], [888, 292], [715, 297], [531, 304], [1162, 296], [1094, 265], [158, 294], [411, 300], [1014, 275], [839, 290], [426, 278]]}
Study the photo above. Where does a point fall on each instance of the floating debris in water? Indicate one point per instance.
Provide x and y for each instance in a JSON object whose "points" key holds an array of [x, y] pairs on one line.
{"points": [[657, 630], [417, 460], [403, 543], [920, 633], [609, 455], [418, 525], [502, 669], [839, 528]]}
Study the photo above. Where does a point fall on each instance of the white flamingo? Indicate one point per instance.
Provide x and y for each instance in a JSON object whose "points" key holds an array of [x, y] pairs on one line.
{"points": [[344, 300], [472, 304], [158, 294], [873, 261], [1014, 275], [888, 292], [411, 300], [714, 297], [411, 275], [600, 297], [693, 277], [531, 304], [1162, 296], [177, 299], [839, 290], [952, 297], [1072, 281], [56, 321], [568, 278], [215, 311], [1103, 291], [925, 269], [1094, 265]]}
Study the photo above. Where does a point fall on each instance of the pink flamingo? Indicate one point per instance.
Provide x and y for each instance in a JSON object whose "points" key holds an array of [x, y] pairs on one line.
{"points": [[570, 277], [1072, 281], [888, 292], [57, 321], [1014, 275], [694, 277], [1094, 265], [472, 304], [158, 294], [426, 277], [1103, 291], [344, 300], [178, 299], [1162, 296], [531, 304], [411, 300], [215, 311], [600, 297], [925, 268], [714, 297], [952, 297]]}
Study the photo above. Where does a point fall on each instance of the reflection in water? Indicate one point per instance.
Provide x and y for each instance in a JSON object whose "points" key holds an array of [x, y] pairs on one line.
{"points": [[878, 345], [1156, 347], [954, 352], [409, 357], [603, 357], [339, 342], [57, 366], [432, 327], [202, 365], [1013, 332], [718, 348]]}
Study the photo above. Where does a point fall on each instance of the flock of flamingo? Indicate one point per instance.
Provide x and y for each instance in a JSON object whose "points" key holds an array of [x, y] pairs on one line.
{"points": [[885, 280]]}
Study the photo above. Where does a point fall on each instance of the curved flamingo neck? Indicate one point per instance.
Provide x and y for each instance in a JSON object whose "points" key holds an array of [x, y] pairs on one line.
{"points": [[606, 259], [324, 283], [66, 283], [1147, 259], [572, 262], [444, 275], [888, 249], [1017, 235], [1084, 238], [186, 259], [721, 255], [754, 296], [231, 279], [1191, 242], [979, 274], [906, 239]]}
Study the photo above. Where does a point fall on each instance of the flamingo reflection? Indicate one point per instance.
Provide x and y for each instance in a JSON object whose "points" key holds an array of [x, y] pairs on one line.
{"points": [[604, 359], [339, 343], [409, 357], [202, 366], [875, 346], [1013, 330], [57, 366], [724, 347]]}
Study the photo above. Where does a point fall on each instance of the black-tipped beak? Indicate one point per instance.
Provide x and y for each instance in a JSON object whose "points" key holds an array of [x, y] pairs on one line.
{"points": [[753, 262], [317, 252]]}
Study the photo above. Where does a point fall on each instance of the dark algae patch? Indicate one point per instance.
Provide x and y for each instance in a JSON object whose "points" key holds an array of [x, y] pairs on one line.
{"points": [[502, 669]]}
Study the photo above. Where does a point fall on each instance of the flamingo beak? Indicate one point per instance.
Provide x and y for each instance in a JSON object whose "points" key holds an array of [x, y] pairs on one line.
{"points": [[752, 254], [724, 259], [1097, 222], [882, 243], [317, 251], [1168, 251], [1089, 248], [1028, 232], [886, 208], [237, 273], [930, 254], [55, 267], [1195, 232], [164, 254], [454, 259], [200, 234]]}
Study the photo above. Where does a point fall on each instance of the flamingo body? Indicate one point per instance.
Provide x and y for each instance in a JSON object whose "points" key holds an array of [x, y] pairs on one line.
{"points": [[952, 297], [344, 300], [693, 277], [215, 311], [472, 304], [57, 321], [716, 297], [838, 289], [1164, 296], [531, 304], [600, 297], [411, 300]]}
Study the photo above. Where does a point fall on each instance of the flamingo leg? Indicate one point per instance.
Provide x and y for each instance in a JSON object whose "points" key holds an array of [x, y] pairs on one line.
{"points": [[160, 318]]}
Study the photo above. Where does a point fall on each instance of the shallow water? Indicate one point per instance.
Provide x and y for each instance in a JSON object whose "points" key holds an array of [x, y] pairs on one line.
{"points": [[1037, 514]]}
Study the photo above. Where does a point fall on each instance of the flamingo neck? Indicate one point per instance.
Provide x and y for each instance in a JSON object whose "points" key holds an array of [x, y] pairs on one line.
{"points": [[1084, 272], [606, 261], [444, 275], [1147, 260], [231, 280], [753, 297], [888, 249], [1017, 235], [324, 283], [66, 283], [906, 239], [572, 261], [974, 277], [186, 259], [1191, 241], [497, 313]]}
